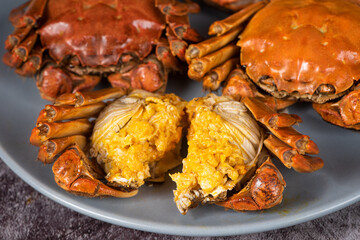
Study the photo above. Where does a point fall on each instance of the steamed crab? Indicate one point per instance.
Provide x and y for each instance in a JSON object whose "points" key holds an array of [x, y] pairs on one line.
{"points": [[136, 138], [71, 45], [292, 50]]}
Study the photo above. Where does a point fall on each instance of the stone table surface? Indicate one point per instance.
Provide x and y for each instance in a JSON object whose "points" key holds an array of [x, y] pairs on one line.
{"points": [[27, 214]]}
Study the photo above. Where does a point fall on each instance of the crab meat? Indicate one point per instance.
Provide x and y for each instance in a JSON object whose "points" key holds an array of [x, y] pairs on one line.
{"points": [[135, 135], [226, 147], [135, 138]]}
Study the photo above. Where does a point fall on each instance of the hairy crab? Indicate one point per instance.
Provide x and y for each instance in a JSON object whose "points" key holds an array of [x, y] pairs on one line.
{"points": [[136, 138], [71, 45], [294, 50], [226, 154]]}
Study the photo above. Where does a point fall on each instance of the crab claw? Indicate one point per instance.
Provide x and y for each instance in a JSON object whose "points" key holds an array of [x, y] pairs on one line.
{"points": [[75, 173], [264, 190], [53, 82], [345, 113], [239, 86], [149, 75]]}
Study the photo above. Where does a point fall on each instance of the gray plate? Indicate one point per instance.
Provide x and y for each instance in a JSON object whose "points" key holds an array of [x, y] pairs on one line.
{"points": [[307, 196]]}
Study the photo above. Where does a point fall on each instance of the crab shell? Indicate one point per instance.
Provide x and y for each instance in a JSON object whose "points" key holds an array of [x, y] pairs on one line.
{"points": [[71, 44], [305, 48], [152, 124], [294, 50], [63, 129], [226, 154]]}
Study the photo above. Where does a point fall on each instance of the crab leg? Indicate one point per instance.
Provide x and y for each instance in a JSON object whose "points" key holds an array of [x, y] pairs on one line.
{"points": [[290, 157], [275, 103], [181, 28], [216, 76], [300, 142], [263, 191], [16, 37], [53, 113], [32, 14], [44, 131], [280, 126], [74, 172], [52, 147], [18, 12], [87, 98], [33, 63], [87, 82], [164, 55], [177, 46], [12, 60], [24, 48], [199, 67], [222, 26], [177, 8], [210, 45], [267, 116]]}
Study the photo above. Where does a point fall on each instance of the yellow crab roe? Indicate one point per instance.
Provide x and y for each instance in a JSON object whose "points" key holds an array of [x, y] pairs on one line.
{"points": [[153, 131], [214, 163]]}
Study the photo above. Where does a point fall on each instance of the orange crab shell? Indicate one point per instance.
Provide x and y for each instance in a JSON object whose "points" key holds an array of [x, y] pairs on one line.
{"points": [[313, 43], [131, 26]]}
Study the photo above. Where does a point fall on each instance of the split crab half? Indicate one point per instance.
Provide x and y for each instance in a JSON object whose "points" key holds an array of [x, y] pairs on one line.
{"points": [[288, 50], [70, 45], [226, 162], [137, 136]]}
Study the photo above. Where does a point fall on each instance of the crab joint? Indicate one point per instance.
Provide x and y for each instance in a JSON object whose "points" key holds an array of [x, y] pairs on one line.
{"points": [[221, 27], [199, 67], [46, 131]]}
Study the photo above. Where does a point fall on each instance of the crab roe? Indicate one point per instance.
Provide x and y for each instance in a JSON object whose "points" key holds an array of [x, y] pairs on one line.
{"points": [[138, 137], [224, 141]]}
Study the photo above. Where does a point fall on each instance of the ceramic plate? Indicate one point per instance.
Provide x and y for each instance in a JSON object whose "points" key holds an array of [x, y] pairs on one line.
{"points": [[306, 197]]}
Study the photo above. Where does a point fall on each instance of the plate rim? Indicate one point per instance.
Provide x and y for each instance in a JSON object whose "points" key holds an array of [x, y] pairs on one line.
{"points": [[170, 229]]}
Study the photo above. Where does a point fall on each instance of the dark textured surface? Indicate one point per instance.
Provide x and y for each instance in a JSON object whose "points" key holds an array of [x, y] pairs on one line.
{"points": [[26, 214]]}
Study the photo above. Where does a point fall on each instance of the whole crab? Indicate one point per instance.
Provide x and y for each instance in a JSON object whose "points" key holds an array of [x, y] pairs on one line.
{"points": [[136, 138], [294, 50], [71, 45]]}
